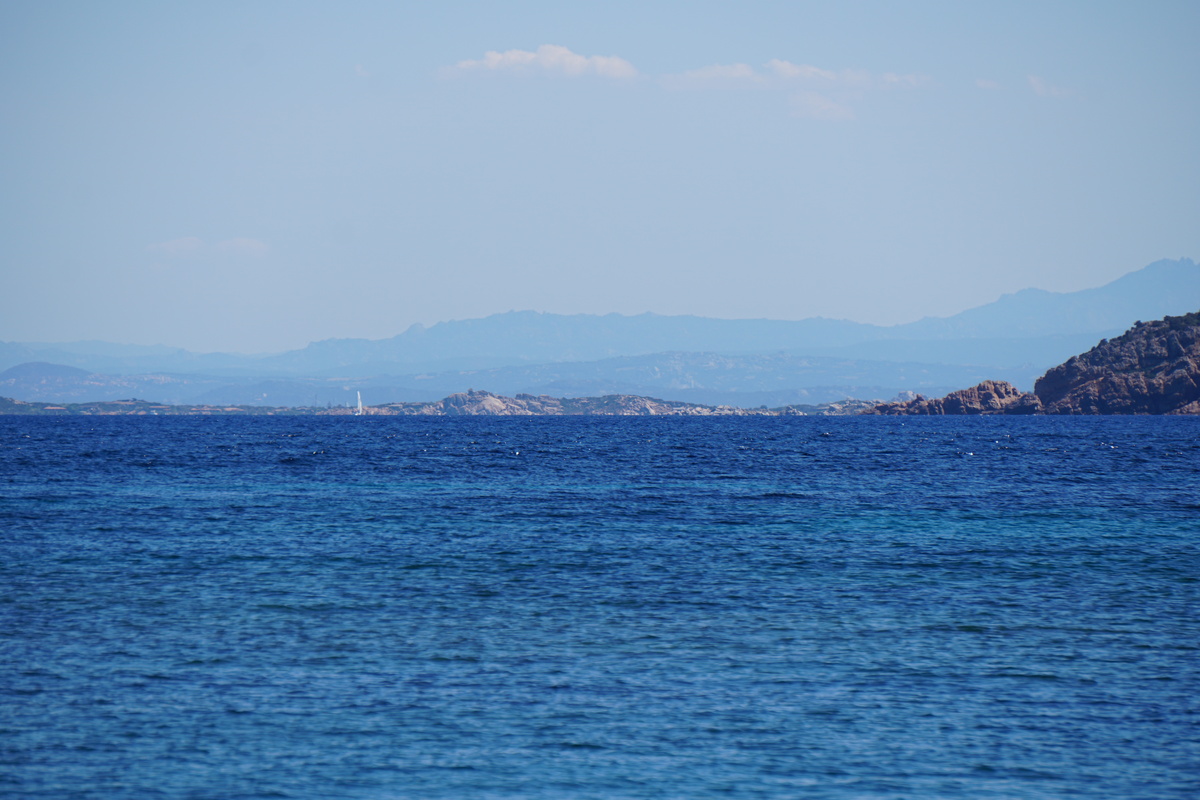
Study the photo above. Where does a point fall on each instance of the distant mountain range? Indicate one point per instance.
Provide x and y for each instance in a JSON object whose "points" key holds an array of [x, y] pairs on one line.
{"points": [[693, 359]]}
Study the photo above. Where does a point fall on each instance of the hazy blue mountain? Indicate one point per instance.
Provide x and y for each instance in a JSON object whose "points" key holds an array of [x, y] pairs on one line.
{"points": [[1164, 288], [43, 372], [56, 383], [698, 359], [528, 337], [1020, 353], [1028, 327], [124, 359], [1012, 327]]}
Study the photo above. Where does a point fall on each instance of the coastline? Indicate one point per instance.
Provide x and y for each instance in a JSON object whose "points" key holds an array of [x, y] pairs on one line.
{"points": [[472, 403]]}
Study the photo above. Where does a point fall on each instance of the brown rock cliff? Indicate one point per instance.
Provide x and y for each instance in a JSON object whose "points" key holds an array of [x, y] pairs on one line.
{"points": [[989, 397], [1153, 368]]}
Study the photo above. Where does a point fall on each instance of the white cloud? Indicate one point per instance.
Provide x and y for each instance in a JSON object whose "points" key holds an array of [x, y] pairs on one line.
{"points": [[552, 58], [815, 92], [846, 78], [829, 94], [1043, 89], [786, 69], [891, 79], [777, 72], [175, 248], [986, 84]]}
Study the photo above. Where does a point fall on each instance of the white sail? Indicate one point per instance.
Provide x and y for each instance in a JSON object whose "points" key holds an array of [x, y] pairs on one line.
{"points": [[360, 410]]}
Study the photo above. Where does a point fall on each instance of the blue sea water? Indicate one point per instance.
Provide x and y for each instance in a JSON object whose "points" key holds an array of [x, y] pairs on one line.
{"points": [[369, 607]]}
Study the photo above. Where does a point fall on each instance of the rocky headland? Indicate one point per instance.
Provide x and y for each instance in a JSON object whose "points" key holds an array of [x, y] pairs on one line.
{"points": [[1153, 368], [478, 403], [989, 397]]}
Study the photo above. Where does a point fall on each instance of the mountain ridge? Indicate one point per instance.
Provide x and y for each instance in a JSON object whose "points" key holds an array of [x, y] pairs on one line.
{"points": [[1162, 288], [1015, 338]]}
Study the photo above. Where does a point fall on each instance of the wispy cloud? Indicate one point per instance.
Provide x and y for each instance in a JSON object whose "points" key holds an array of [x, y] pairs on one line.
{"points": [[786, 69], [846, 78], [814, 92], [1043, 89], [983, 83], [774, 70], [892, 80], [551, 58]]}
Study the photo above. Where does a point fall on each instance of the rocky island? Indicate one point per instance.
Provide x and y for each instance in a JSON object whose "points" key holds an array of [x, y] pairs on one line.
{"points": [[461, 404], [1153, 368]]}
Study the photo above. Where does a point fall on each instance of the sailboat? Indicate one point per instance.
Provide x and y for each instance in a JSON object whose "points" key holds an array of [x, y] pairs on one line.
{"points": [[359, 412]]}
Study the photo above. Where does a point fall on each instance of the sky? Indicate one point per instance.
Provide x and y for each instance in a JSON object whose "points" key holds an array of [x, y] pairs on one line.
{"points": [[253, 176]]}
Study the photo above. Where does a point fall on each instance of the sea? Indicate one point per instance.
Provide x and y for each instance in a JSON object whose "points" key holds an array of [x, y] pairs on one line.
{"points": [[599, 607]]}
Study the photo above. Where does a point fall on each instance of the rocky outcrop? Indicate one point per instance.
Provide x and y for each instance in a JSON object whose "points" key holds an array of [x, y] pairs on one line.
{"points": [[470, 403], [476, 403], [1153, 368], [989, 397]]}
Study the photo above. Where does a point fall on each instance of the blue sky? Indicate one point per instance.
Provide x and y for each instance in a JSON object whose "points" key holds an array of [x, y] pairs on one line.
{"points": [[254, 176]]}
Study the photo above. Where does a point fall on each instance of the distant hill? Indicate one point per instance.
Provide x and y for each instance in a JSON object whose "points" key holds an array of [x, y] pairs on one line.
{"points": [[44, 373], [1018, 329], [1032, 327], [56, 383], [1161, 289], [685, 358]]}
